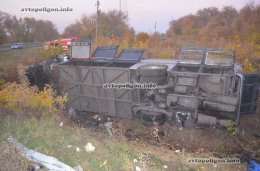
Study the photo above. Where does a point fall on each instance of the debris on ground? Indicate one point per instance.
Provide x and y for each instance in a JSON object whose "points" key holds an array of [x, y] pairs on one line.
{"points": [[178, 151], [109, 127], [137, 168], [103, 164], [72, 112], [47, 161], [78, 149], [89, 147]]}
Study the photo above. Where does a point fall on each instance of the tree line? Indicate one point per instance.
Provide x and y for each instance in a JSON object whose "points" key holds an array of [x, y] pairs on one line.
{"points": [[228, 28], [13, 29]]}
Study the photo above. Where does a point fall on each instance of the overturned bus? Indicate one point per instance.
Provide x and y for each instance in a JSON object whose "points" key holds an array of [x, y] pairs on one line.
{"points": [[201, 86]]}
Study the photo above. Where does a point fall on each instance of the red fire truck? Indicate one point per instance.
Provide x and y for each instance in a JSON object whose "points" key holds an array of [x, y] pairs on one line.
{"points": [[64, 42]]}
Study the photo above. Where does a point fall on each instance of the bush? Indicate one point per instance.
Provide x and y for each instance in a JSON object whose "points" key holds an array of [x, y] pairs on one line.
{"points": [[20, 97], [50, 52]]}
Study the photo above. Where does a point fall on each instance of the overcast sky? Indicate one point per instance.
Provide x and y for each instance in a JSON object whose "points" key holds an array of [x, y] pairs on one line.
{"points": [[142, 13]]}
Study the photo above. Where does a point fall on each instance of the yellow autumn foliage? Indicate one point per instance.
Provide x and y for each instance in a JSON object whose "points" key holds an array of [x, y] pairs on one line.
{"points": [[247, 66], [22, 98]]}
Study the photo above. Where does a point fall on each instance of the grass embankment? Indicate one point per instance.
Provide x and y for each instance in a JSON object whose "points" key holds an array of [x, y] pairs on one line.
{"points": [[113, 154], [47, 136], [9, 60]]}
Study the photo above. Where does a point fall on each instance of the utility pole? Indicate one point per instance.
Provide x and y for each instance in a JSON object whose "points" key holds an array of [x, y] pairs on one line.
{"points": [[155, 27], [97, 4], [120, 7]]}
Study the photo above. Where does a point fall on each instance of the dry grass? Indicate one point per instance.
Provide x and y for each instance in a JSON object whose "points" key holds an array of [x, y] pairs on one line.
{"points": [[11, 159], [11, 58]]}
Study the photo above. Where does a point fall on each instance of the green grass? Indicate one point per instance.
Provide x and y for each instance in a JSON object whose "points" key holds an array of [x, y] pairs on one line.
{"points": [[18, 54], [46, 136]]}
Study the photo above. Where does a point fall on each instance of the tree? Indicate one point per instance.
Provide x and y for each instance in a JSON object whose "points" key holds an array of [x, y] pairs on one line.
{"points": [[88, 27], [73, 29], [3, 17], [45, 30], [142, 37], [112, 24], [29, 29]]}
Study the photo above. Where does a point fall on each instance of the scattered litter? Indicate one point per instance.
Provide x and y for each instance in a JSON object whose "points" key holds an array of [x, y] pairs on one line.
{"points": [[215, 165], [103, 164], [61, 124], [109, 127], [89, 147], [34, 167], [137, 168], [69, 146], [165, 167], [95, 116], [177, 151], [135, 161], [72, 112], [78, 149], [49, 162]]}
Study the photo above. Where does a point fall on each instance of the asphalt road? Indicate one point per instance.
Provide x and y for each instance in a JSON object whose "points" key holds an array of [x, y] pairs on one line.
{"points": [[25, 45]]}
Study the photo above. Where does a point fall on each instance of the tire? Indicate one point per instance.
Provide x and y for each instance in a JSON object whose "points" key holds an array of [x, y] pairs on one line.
{"points": [[157, 80], [153, 70]]}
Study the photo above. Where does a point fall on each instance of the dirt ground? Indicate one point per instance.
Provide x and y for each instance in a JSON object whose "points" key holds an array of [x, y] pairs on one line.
{"points": [[215, 142]]}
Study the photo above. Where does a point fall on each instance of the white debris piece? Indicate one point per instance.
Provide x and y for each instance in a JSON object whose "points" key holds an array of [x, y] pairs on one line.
{"points": [[165, 167], [69, 146], [49, 162], [89, 147], [137, 168], [78, 149], [177, 151], [135, 161], [61, 124]]}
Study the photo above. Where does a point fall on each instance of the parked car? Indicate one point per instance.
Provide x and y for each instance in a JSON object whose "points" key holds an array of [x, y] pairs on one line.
{"points": [[17, 46]]}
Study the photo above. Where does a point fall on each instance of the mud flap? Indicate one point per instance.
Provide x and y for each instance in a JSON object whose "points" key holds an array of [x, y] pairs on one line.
{"points": [[250, 93]]}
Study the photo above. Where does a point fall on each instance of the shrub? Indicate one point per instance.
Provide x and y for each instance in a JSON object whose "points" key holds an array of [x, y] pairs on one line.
{"points": [[231, 129], [20, 97], [50, 52]]}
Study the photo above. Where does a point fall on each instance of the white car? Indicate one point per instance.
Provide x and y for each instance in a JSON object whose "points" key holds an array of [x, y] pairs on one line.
{"points": [[17, 46]]}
